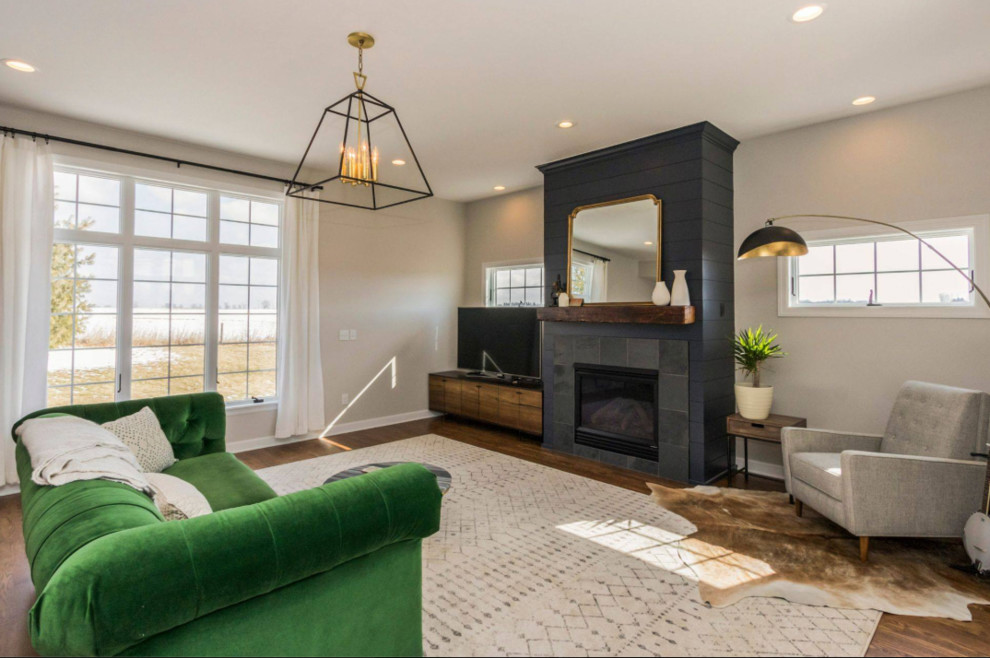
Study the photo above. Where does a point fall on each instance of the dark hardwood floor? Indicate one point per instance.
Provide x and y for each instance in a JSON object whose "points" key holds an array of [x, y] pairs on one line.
{"points": [[896, 635]]}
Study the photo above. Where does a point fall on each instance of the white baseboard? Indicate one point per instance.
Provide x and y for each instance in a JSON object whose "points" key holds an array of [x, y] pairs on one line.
{"points": [[340, 428], [383, 421], [260, 442], [763, 469]]}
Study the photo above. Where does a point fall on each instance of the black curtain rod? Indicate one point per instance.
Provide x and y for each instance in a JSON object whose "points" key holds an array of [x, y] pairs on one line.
{"points": [[7, 130], [588, 253]]}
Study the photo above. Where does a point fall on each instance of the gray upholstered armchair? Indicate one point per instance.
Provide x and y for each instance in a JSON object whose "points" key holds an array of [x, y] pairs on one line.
{"points": [[917, 479]]}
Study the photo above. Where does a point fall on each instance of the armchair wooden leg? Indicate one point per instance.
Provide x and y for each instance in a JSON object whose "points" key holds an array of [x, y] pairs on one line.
{"points": [[864, 549], [798, 507]]}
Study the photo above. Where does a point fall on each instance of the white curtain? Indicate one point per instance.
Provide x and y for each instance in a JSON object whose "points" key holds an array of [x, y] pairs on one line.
{"points": [[599, 280], [26, 217], [300, 367]]}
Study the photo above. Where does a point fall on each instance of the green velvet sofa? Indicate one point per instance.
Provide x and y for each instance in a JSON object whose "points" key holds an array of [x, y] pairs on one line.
{"points": [[334, 570]]}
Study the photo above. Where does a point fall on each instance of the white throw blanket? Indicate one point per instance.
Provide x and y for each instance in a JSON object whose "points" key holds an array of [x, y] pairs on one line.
{"points": [[66, 449]]}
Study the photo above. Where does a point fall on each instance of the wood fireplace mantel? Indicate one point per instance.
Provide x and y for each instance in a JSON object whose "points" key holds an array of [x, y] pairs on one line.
{"points": [[607, 313]]}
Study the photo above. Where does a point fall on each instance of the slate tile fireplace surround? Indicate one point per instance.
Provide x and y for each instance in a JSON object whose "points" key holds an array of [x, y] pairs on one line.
{"points": [[690, 171], [615, 408], [668, 359]]}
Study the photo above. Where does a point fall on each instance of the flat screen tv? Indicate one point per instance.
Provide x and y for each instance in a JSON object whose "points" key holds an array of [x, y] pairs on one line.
{"points": [[510, 336]]}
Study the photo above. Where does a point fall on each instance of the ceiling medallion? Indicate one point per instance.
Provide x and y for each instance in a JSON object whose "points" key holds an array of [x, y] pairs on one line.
{"points": [[352, 137]]}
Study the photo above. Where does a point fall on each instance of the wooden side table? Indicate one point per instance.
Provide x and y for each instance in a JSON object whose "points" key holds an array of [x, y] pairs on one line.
{"points": [[767, 430]]}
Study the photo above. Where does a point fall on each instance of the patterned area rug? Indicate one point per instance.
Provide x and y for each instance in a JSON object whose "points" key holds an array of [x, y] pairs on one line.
{"points": [[750, 543], [530, 560]]}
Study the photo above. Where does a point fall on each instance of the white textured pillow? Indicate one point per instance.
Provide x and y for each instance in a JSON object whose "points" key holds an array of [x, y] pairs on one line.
{"points": [[176, 499], [142, 433]]}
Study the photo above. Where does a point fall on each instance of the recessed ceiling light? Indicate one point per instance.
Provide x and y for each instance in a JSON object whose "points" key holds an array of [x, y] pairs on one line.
{"points": [[398, 163], [565, 124], [807, 13], [648, 243], [864, 100], [499, 188], [19, 65]]}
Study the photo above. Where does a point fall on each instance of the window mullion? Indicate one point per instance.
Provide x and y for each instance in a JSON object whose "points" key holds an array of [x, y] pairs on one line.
{"points": [[125, 316], [876, 275], [212, 337]]}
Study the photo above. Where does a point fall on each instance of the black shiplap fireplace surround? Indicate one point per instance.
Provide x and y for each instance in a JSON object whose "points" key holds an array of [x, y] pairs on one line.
{"points": [[690, 170]]}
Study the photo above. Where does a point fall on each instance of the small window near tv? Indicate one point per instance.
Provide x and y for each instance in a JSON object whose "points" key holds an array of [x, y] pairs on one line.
{"points": [[515, 285]]}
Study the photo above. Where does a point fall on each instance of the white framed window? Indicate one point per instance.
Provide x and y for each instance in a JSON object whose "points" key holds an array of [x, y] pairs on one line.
{"points": [[518, 284], [863, 272], [161, 288]]}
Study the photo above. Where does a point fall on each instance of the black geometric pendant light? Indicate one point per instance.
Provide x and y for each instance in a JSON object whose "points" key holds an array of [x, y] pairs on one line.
{"points": [[361, 139]]}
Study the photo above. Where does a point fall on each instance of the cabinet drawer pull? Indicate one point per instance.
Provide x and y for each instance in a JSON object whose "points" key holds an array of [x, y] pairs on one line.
{"points": [[757, 425]]}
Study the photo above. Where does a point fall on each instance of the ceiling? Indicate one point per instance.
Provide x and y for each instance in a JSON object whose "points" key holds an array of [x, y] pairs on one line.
{"points": [[479, 86]]}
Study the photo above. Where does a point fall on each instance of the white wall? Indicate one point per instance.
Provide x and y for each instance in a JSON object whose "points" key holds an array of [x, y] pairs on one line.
{"points": [[924, 160], [503, 229], [396, 275]]}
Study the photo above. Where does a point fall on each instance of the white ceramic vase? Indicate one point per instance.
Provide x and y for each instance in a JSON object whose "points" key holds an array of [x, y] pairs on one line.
{"points": [[563, 300], [754, 403], [679, 295], [661, 296]]}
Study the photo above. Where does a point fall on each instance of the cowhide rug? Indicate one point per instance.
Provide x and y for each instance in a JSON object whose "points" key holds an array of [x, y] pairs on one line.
{"points": [[751, 543]]}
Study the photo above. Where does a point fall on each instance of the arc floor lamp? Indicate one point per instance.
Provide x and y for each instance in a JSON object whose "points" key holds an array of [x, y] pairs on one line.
{"points": [[773, 240]]}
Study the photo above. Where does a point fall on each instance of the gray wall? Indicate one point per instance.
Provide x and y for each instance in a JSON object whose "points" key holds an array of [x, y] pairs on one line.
{"points": [[503, 229], [920, 161], [396, 277]]}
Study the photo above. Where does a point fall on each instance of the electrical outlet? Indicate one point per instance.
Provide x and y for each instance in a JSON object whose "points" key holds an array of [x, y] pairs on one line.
{"points": [[353, 334], [344, 398], [344, 335]]}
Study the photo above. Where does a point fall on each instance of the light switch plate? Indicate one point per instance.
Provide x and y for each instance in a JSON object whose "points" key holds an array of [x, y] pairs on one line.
{"points": [[344, 334], [353, 334]]}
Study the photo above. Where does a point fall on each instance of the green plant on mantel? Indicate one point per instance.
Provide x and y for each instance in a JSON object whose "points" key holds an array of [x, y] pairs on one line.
{"points": [[752, 348]]}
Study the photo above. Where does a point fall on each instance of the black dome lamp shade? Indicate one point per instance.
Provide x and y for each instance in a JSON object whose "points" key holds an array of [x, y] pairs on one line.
{"points": [[772, 241]]}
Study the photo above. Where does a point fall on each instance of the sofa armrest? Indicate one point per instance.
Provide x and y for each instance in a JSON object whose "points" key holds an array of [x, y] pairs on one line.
{"points": [[886, 495], [803, 439], [126, 587]]}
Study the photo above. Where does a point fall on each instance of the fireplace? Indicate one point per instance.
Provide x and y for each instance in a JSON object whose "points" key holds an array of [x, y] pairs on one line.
{"points": [[616, 409]]}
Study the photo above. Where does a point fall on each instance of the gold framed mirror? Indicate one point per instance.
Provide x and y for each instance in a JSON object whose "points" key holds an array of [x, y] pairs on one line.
{"points": [[613, 250]]}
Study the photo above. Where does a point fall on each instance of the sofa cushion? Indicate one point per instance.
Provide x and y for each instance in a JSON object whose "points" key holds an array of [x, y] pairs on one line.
{"points": [[930, 420], [224, 480], [142, 433], [821, 470]]}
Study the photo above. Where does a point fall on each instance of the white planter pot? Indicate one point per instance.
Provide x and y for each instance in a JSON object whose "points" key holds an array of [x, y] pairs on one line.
{"points": [[754, 403]]}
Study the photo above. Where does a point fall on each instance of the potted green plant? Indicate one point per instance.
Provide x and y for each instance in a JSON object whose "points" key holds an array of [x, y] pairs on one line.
{"points": [[752, 348]]}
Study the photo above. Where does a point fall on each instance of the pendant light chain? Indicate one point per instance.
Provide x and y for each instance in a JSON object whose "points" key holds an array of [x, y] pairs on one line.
{"points": [[359, 166]]}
